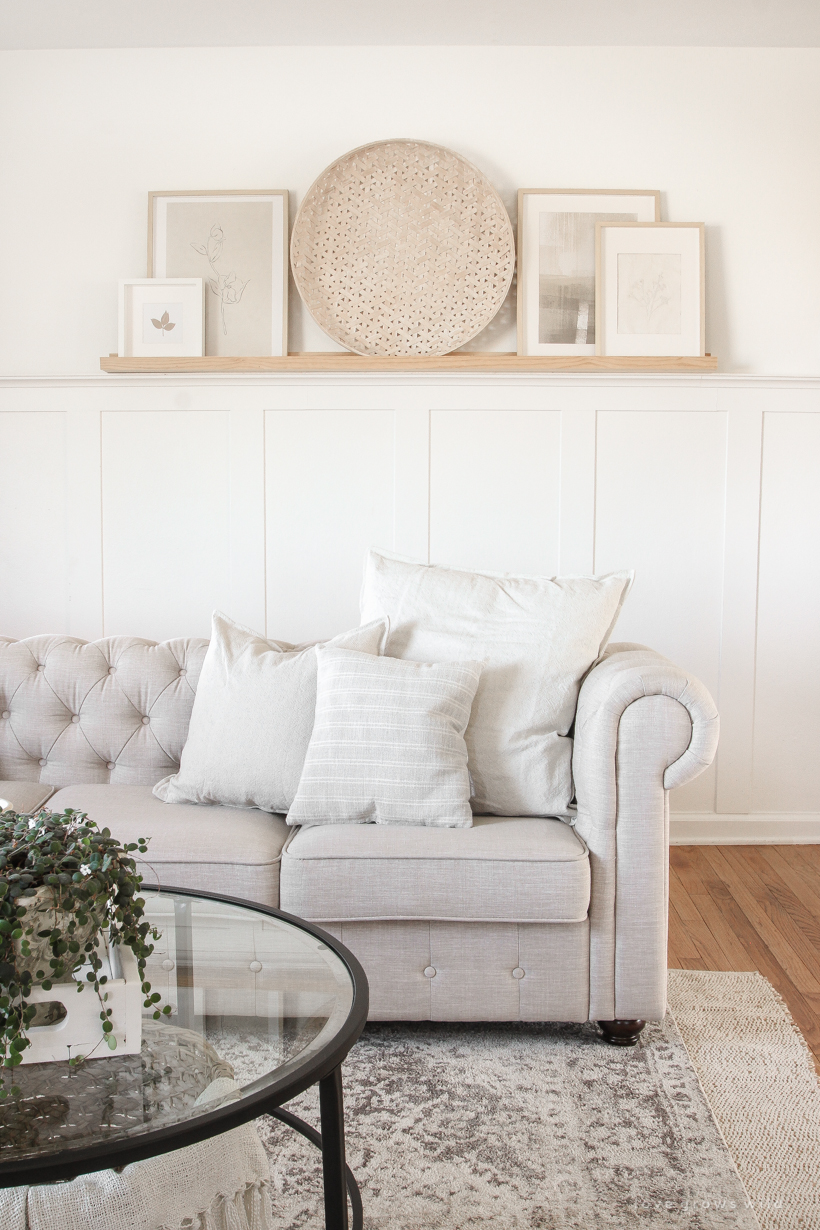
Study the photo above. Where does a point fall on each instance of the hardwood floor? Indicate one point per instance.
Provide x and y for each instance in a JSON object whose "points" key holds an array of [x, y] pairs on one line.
{"points": [[751, 908]]}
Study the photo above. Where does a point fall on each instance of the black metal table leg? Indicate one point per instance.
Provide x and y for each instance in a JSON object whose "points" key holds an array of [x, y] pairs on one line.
{"points": [[331, 1109]]}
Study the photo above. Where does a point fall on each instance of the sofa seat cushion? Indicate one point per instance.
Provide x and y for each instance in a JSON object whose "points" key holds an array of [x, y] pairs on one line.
{"points": [[503, 869], [24, 796], [228, 850]]}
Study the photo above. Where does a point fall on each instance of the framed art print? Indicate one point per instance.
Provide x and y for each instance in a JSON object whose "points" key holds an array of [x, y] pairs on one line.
{"points": [[161, 317], [556, 262], [650, 289], [237, 242]]}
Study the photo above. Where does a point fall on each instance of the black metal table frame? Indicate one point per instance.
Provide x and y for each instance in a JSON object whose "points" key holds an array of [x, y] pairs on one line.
{"points": [[324, 1068]]}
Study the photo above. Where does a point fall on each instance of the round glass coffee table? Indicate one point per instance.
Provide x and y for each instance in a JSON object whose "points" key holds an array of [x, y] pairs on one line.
{"points": [[257, 995]]}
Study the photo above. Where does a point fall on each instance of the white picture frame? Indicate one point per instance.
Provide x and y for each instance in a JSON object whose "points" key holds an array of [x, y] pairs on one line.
{"points": [[161, 318], [556, 262], [650, 289], [237, 242]]}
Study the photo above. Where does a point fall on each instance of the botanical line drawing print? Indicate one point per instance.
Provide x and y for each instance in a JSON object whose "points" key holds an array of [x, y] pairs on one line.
{"points": [[226, 286], [649, 292], [164, 323]]}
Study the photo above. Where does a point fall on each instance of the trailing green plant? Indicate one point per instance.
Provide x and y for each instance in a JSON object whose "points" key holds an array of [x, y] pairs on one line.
{"points": [[93, 888]]}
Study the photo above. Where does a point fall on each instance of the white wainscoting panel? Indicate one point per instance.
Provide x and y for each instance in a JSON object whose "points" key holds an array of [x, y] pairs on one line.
{"points": [[33, 546], [495, 489], [165, 521], [138, 504], [787, 691], [660, 510], [329, 496]]}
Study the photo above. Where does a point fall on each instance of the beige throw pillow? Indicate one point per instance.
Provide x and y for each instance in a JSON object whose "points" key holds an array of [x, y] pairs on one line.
{"points": [[537, 636], [252, 718], [388, 743]]}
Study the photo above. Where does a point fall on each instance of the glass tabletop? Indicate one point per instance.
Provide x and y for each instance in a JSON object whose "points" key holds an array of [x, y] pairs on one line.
{"points": [[256, 998]]}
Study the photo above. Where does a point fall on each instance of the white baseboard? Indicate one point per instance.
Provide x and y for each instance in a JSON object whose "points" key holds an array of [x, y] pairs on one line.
{"points": [[694, 828]]}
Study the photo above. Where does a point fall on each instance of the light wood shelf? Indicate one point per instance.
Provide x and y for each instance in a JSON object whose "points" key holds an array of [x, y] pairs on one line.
{"points": [[317, 361]]}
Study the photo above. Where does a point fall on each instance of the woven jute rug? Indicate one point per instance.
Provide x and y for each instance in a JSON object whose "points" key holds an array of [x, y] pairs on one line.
{"points": [[712, 1121]]}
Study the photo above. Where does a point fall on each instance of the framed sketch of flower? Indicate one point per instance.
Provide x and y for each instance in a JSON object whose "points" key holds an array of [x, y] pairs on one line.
{"points": [[236, 241], [161, 317], [650, 289]]}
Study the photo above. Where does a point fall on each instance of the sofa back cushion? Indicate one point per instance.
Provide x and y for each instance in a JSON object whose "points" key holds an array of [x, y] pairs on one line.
{"points": [[114, 710]]}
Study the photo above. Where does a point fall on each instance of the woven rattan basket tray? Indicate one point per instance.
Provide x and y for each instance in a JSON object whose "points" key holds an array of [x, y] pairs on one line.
{"points": [[402, 248]]}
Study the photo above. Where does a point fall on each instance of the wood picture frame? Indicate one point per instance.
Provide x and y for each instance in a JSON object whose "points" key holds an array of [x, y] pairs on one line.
{"points": [[237, 241], [650, 281], [556, 279]]}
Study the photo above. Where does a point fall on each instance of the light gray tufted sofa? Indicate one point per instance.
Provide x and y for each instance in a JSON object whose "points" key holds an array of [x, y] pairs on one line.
{"points": [[530, 919]]}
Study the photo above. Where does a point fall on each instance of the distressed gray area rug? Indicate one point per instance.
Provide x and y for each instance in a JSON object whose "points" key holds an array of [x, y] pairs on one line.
{"points": [[528, 1127]]}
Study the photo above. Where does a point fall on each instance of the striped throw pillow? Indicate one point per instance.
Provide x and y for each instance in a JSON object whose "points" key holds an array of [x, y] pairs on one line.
{"points": [[388, 742]]}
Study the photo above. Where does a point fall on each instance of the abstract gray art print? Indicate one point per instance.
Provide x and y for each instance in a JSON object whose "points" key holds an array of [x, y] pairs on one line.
{"points": [[649, 292], [566, 275]]}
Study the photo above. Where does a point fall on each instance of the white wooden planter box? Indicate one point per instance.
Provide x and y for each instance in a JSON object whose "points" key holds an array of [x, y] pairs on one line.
{"points": [[80, 1031]]}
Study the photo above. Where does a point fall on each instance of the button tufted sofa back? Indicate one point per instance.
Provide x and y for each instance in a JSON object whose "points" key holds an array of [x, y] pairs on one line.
{"points": [[115, 710]]}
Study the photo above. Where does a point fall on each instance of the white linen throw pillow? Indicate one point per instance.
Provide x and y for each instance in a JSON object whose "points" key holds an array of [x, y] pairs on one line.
{"points": [[252, 718], [388, 743], [537, 637]]}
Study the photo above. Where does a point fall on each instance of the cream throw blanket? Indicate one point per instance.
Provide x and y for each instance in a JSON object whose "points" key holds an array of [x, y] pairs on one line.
{"points": [[220, 1184]]}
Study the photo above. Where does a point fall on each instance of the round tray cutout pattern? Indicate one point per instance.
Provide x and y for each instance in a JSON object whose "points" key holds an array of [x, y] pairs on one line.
{"points": [[402, 248]]}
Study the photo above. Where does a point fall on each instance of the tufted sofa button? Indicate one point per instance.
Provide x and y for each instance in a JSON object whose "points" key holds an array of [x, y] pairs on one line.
{"points": [[42, 762], [518, 972], [111, 765], [168, 964], [75, 717], [183, 673], [112, 670], [40, 668], [6, 714], [255, 966], [430, 972], [145, 721]]}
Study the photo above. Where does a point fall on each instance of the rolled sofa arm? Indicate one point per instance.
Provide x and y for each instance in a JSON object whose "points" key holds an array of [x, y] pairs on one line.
{"points": [[642, 727]]}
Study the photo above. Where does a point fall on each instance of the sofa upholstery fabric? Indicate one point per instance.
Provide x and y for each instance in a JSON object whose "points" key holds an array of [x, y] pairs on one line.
{"points": [[388, 743], [450, 971], [536, 636], [113, 711], [229, 850], [643, 725], [25, 797], [501, 869]]}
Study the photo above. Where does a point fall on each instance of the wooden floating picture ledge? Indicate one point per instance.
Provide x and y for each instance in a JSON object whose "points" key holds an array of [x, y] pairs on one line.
{"points": [[461, 361]]}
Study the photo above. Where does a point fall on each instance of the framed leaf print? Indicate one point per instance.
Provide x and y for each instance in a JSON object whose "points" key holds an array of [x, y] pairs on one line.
{"points": [[161, 317], [237, 242]]}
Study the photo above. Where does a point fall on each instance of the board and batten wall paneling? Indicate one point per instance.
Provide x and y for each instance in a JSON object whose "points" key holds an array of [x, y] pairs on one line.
{"points": [[329, 481], [494, 489], [33, 532], [787, 692], [660, 498], [166, 505]]}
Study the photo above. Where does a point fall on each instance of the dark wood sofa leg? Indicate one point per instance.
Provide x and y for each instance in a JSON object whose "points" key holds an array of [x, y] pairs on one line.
{"points": [[621, 1033]]}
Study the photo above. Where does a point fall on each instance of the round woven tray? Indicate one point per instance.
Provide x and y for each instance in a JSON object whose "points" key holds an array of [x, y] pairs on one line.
{"points": [[401, 247]]}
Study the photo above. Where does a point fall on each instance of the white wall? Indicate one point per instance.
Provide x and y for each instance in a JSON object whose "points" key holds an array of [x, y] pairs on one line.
{"points": [[729, 135]]}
